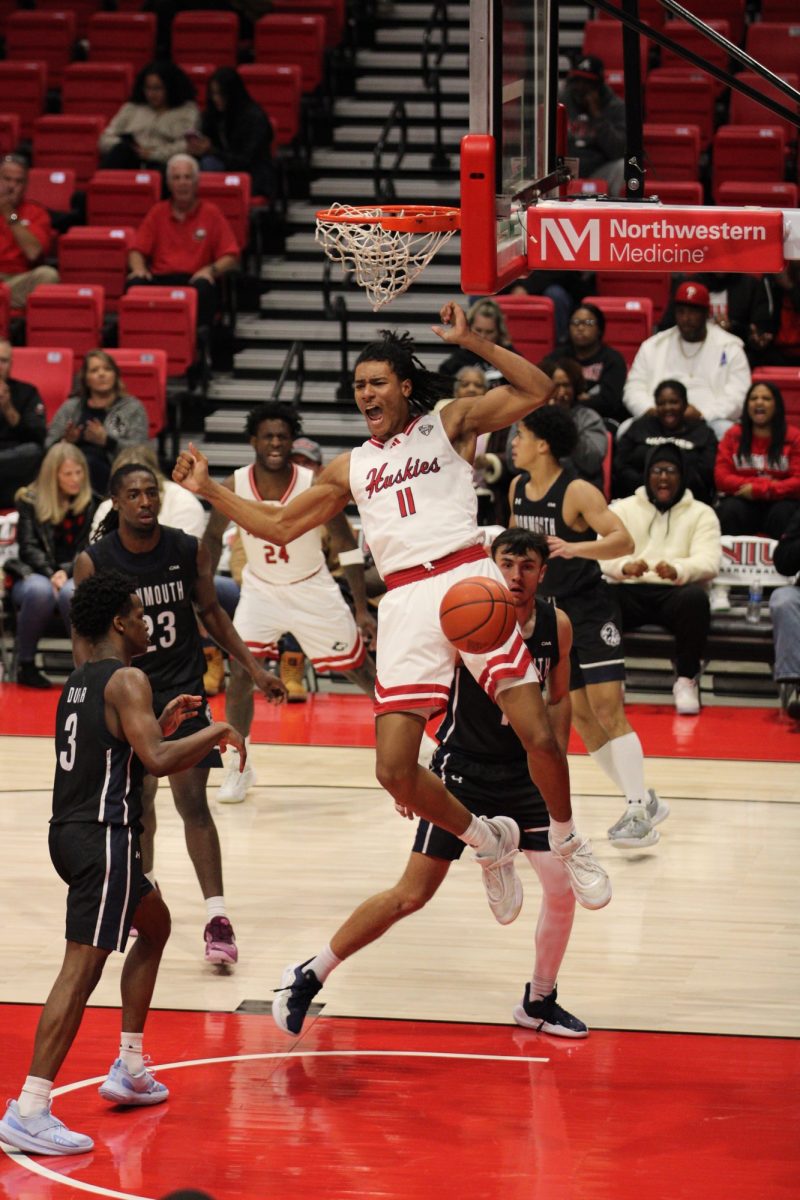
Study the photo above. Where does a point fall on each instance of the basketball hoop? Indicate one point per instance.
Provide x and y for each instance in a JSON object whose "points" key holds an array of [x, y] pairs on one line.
{"points": [[385, 246]]}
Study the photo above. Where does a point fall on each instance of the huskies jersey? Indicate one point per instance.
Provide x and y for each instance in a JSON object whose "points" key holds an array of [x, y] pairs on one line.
{"points": [[415, 496], [165, 579], [564, 576], [98, 777], [279, 564], [474, 725]]}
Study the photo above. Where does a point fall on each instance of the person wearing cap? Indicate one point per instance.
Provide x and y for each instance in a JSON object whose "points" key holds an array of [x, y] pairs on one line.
{"points": [[708, 360], [740, 304], [596, 124], [677, 550]]}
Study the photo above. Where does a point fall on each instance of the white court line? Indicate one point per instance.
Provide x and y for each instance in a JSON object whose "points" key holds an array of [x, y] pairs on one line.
{"points": [[36, 1168]]}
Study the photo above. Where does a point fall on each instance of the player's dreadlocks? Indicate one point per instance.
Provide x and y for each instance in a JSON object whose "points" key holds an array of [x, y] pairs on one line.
{"points": [[97, 601], [397, 349], [110, 521]]}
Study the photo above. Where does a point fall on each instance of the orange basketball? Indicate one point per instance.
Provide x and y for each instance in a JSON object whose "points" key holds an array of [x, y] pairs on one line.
{"points": [[477, 614]]}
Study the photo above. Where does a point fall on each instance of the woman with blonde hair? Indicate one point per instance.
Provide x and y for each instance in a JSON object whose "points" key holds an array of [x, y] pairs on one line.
{"points": [[101, 419], [55, 517], [485, 318]]}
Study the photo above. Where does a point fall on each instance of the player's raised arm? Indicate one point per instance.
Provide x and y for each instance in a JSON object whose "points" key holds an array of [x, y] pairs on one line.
{"points": [[328, 495], [526, 387]]}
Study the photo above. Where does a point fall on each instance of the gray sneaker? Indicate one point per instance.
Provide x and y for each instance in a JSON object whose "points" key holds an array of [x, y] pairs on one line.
{"points": [[657, 809], [634, 830], [500, 878]]}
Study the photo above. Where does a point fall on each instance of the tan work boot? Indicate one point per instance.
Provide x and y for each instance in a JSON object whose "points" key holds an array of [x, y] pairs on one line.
{"points": [[292, 671], [214, 678]]}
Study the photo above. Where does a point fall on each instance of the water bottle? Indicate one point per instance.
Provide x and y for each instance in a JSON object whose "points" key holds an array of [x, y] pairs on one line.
{"points": [[754, 596]]}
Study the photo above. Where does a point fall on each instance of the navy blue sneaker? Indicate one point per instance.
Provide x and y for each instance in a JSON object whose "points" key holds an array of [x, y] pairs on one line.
{"points": [[545, 1016], [293, 998]]}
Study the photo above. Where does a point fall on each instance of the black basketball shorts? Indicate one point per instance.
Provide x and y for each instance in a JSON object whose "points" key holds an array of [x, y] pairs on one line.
{"points": [[597, 655], [201, 720]]}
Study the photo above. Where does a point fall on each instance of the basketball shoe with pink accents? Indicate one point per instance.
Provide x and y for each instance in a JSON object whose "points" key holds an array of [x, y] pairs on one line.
{"points": [[220, 942]]}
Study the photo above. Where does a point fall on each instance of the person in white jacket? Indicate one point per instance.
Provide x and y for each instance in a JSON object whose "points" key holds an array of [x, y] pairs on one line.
{"points": [[710, 362], [676, 551]]}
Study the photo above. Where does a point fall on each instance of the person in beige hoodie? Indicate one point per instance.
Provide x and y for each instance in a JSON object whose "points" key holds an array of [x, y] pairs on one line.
{"points": [[153, 124], [677, 550]]}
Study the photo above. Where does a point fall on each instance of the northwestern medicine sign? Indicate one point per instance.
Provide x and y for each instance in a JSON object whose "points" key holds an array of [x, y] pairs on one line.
{"points": [[609, 237]]}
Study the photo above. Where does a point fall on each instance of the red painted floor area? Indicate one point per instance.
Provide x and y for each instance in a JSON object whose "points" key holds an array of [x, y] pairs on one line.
{"points": [[400, 1110], [334, 719]]}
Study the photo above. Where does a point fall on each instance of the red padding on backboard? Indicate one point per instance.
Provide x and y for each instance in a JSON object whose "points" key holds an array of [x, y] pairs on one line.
{"points": [[478, 222]]}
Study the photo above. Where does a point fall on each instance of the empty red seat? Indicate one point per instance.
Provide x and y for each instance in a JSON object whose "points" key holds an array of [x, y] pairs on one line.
{"points": [[692, 39], [531, 324], [786, 379], [604, 39], [333, 12], [48, 37], [23, 87], [765, 195], [164, 318], [629, 320], [144, 373], [744, 111], [654, 286], [63, 314], [96, 254], [205, 37], [674, 96], [82, 10], [649, 11], [121, 197], [50, 369], [757, 150], [732, 11], [279, 90], [66, 140], [775, 44], [96, 88], [230, 191], [778, 10], [51, 186], [9, 132], [122, 37], [285, 38], [199, 73], [674, 191], [671, 151]]}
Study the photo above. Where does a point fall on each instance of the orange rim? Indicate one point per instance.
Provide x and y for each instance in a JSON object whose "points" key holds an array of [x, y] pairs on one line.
{"points": [[422, 218]]}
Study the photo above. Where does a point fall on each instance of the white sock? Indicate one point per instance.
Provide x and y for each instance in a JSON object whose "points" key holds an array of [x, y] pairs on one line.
{"points": [[562, 831], [130, 1051], [215, 907], [35, 1096], [555, 921], [479, 835], [605, 761], [628, 759], [325, 962]]}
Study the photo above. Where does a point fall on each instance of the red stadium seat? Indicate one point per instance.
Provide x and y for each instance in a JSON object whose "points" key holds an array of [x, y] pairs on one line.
{"points": [[649, 10], [745, 111], [9, 132], [732, 11], [605, 40], [82, 9], [62, 314], [164, 318], [121, 197], [278, 89], [531, 324], [671, 151], [50, 370], [654, 286], [67, 141], [775, 44], [230, 191], [692, 39], [674, 191], [96, 88], [144, 373], [674, 96], [23, 87], [778, 10], [629, 320], [51, 187], [205, 37], [122, 37], [96, 254], [766, 195], [199, 73], [46, 36], [284, 38], [334, 13], [759, 150], [587, 187], [787, 379]]}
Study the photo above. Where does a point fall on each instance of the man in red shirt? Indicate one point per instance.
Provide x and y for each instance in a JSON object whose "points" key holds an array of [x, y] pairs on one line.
{"points": [[184, 240], [25, 234]]}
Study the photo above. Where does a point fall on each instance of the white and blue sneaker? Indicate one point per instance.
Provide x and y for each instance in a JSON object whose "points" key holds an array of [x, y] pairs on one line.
{"points": [[134, 1090], [293, 998], [41, 1134], [547, 1016]]}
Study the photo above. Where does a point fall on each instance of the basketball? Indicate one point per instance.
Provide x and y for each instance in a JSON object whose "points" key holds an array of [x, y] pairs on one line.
{"points": [[477, 614]]}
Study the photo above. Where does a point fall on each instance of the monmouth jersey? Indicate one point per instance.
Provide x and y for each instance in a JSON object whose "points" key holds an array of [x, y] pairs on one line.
{"points": [[165, 577], [474, 726], [98, 776], [564, 576]]}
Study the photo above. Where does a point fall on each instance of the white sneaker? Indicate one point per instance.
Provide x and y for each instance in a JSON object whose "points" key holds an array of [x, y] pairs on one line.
{"points": [[657, 809], [634, 830], [587, 878], [719, 600], [686, 695], [235, 783], [500, 878]]}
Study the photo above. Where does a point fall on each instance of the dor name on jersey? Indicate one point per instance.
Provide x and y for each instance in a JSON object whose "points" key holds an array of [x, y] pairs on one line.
{"points": [[415, 496], [267, 562]]}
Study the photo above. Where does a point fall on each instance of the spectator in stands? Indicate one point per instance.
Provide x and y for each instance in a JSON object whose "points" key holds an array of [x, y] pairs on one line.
{"points": [[235, 133], [758, 467], [784, 609], [603, 367], [677, 550], [565, 288], [486, 319], [589, 454], [25, 234], [55, 516], [782, 348], [184, 240], [22, 429], [152, 126], [739, 304], [102, 419], [710, 362], [667, 422], [596, 124]]}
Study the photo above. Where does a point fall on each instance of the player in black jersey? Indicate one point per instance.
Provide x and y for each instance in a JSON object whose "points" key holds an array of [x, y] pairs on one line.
{"points": [[106, 737], [581, 530], [482, 762], [173, 577]]}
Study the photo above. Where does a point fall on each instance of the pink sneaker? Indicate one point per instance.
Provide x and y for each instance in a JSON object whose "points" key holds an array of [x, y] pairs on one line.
{"points": [[220, 942]]}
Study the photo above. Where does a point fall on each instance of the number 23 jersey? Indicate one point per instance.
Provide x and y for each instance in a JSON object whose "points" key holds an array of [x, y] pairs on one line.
{"points": [[267, 562]]}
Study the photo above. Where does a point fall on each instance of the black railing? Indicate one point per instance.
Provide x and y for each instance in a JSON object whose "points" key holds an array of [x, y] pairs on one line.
{"points": [[383, 176], [335, 308], [432, 55], [295, 351]]}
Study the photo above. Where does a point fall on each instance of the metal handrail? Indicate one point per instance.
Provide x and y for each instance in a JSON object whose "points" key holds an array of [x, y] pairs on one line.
{"points": [[438, 22], [295, 351], [383, 177], [335, 308]]}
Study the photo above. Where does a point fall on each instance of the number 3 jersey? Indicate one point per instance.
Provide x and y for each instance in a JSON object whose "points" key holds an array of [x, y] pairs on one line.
{"points": [[267, 562], [165, 579], [98, 776]]}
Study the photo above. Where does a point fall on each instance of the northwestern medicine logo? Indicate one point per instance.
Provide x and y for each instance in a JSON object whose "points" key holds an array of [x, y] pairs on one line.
{"points": [[613, 241]]}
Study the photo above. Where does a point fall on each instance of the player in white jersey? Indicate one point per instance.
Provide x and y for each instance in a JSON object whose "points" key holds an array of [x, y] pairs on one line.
{"points": [[412, 481], [288, 589]]}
